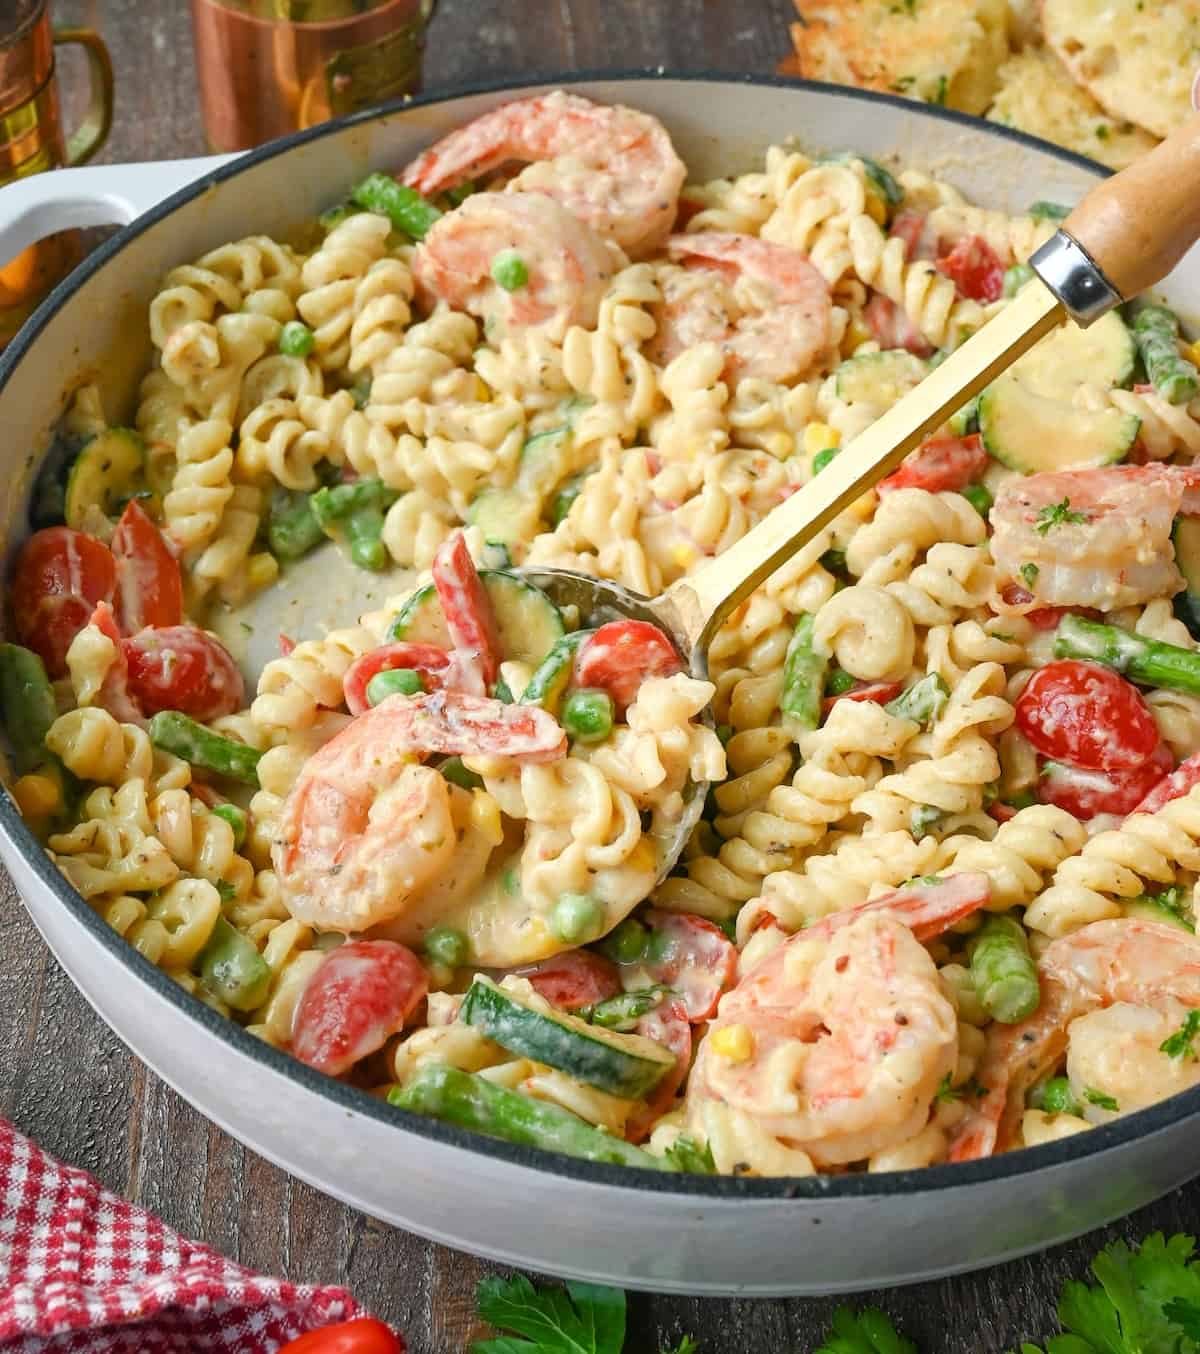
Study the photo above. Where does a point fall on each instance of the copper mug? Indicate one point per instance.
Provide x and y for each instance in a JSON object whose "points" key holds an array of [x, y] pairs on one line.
{"points": [[269, 67], [32, 139]]}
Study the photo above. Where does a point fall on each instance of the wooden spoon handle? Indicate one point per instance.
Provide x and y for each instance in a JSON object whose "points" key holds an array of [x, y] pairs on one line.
{"points": [[1140, 223]]}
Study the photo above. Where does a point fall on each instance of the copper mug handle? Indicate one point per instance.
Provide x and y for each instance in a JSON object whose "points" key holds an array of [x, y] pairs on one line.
{"points": [[93, 131]]}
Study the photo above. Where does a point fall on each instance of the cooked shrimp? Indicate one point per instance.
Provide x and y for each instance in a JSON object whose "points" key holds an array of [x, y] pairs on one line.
{"points": [[848, 1031], [366, 829], [567, 265], [611, 167], [1097, 538], [1143, 976], [764, 303]]}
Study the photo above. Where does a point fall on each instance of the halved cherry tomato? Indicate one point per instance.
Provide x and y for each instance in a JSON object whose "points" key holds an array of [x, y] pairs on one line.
{"points": [[149, 584], [355, 1001], [61, 574], [181, 667], [427, 659], [115, 695], [891, 327], [1001, 811], [667, 1025], [1173, 786], [363, 1335], [910, 227], [465, 605], [877, 692], [621, 655], [976, 268], [940, 463], [686, 208], [1087, 716], [575, 979], [1089, 793], [691, 956]]}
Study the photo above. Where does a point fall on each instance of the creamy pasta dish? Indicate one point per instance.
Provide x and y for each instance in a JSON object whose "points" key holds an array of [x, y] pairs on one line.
{"points": [[941, 899]]}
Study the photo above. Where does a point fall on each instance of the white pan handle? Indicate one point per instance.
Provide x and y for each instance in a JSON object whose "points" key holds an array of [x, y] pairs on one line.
{"points": [[100, 195]]}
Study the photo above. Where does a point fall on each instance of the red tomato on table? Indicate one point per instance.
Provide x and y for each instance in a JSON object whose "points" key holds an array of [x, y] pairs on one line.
{"points": [[61, 574], [1087, 716], [976, 269], [693, 957], [356, 1000], [574, 979], [364, 1335], [149, 584], [1086, 794], [181, 667], [940, 463], [621, 655]]}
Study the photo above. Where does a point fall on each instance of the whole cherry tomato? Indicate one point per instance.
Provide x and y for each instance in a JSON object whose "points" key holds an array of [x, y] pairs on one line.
{"points": [[61, 574], [1087, 716], [355, 1001], [363, 1335], [181, 667], [1086, 794], [149, 584]]}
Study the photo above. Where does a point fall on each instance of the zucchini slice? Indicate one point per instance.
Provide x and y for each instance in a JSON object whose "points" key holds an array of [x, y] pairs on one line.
{"points": [[528, 622], [882, 378], [1028, 418], [1186, 536], [505, 516], [1148, 908], [108, 468], [548, 684], [622, 1064]]}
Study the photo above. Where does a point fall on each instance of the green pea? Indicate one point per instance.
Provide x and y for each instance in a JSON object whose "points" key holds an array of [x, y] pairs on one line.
{"points": [[979, 496], [509, 271], [446, 945], [822, 459], [394, 681], [296, 339], [626, 944], [577, 917], [236, 818], [1056, 1097], [838, 682], [588, 715]]}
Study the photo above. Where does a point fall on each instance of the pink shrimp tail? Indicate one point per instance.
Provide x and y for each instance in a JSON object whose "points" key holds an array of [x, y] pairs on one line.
{"points": [[979, 1131], [927, 909]]}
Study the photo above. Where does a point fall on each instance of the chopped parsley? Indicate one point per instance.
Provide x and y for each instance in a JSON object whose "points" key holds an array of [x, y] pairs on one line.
{"points": [[1057, 515], [945, 1093], [903, 84], [1179, 1044], [1029, 573], [1101, 1099], [939, 93], [1102, 132]]}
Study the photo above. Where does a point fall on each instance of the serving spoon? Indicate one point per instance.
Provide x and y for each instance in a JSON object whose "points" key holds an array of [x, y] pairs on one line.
{"points": [[1126, 235]]}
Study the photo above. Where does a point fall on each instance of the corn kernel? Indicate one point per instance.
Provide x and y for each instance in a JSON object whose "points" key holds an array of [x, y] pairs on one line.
{"points": [[734, 1042], [485, 817], [37, 796], [818, 436], [643, 857], [482, 391], [261, 571], [1193, 352], [683, 555], [876, 208], [856, 334]]}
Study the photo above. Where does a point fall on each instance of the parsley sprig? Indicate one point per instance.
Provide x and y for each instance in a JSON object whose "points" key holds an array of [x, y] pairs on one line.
{"points": [[1179, 1044], [1057, 515]]}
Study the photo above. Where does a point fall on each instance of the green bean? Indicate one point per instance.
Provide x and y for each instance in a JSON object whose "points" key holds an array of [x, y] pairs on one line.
{"points": [[457, 774], [1049, 211], [407, 210], [232, 968], [28, 705], [337, 502], [979, 496], [623, 1011], [364, 531], [1003, 971], [471, 1101], [838, 682], [823, 457], [1156, 333], [1148, 661], [181, 735], [803, 678], [236, 818], [922, 702]]}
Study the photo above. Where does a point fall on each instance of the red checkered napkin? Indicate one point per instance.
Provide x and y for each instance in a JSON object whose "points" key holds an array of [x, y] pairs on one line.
{"points": [[84, 1272]]}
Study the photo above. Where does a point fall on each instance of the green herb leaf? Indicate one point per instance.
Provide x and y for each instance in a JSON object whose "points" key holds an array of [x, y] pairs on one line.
{"points": [[1179, 1044], [945, 1093], [866, 1332], [685, 1155], [1056, 515], [1029, 573], [1101, 1099], [1186, 1315], [686, 1346], [583, 1318]]}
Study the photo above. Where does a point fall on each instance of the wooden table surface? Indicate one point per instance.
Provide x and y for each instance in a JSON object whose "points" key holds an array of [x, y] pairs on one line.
{"points": [[67, 1081]]}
